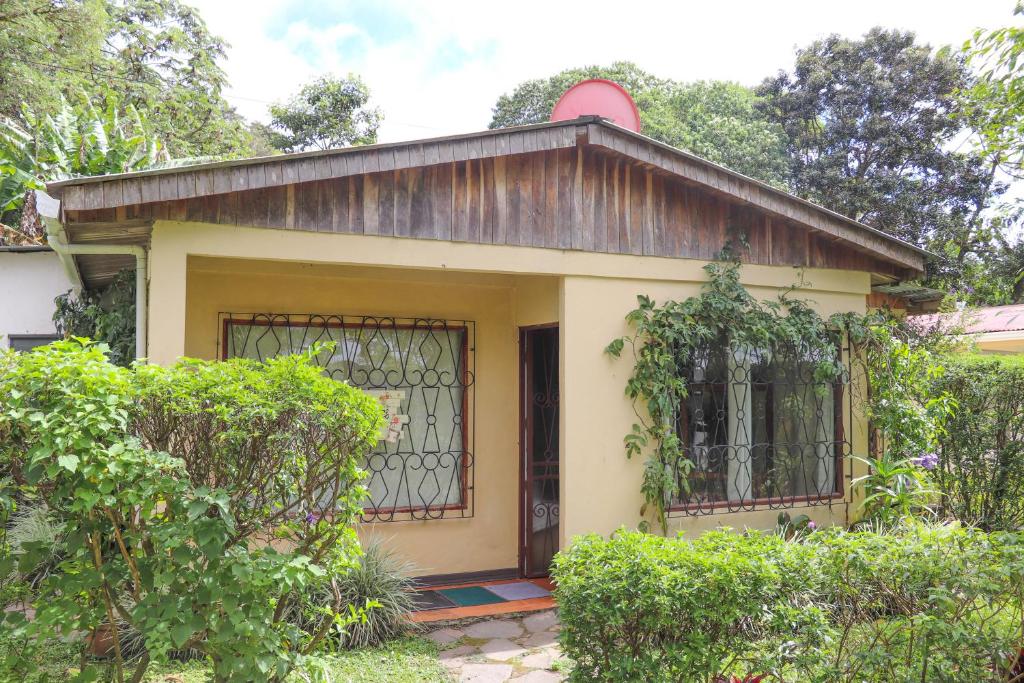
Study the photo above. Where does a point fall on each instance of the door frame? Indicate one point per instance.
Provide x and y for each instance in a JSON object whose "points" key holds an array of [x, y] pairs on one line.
{"points": [[525, 438]]}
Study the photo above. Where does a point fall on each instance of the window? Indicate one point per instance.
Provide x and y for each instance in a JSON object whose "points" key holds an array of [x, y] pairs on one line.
{"points": [[761, 429], [423, 470], [27, 342]]}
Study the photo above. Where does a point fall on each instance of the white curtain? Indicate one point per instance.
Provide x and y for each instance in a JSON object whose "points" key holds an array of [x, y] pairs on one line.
{"points": [[741, 432]]}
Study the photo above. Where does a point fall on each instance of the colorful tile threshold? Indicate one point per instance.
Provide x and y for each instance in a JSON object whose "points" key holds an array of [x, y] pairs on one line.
{"points": [[482, 599]]}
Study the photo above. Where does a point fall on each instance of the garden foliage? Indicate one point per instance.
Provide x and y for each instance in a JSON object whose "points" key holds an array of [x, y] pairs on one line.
{"points": [[666, 338], [198, 500], [908, 417], [980, 471], [379, 577], [919, 604], [106, 316]]}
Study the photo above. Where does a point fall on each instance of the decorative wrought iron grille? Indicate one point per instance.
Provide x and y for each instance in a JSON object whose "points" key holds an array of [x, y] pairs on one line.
{"points": [[541, 398], [763, 429], [424, 469]]}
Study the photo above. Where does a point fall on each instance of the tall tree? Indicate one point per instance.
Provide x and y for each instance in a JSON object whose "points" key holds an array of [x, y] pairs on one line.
{"points": [[719, 121], [46, 48], [329, 112], [993, 107], [157, 56], [994, 103], [871, 125], [713, 119], [161, 58]]}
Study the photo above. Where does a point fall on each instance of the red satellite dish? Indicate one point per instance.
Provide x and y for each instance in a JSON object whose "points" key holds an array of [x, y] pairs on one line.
{"points": [[600, 97]]}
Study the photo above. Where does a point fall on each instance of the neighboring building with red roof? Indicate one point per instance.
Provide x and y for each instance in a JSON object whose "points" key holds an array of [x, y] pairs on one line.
{"points": [[995, 329]]}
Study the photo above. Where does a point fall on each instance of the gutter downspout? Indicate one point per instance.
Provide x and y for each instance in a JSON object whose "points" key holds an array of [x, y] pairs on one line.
{"points": [[49, 212]]}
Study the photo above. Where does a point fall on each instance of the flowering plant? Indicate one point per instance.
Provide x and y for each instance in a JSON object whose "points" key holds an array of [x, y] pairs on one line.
{"points": [[928, 461]]}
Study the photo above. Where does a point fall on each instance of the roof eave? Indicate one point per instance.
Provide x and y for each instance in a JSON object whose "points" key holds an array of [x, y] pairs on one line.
{"points": [[907, 255]]}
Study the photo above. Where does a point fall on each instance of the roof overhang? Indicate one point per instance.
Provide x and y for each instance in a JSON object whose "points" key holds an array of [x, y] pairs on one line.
{"points": [[186, 182]]}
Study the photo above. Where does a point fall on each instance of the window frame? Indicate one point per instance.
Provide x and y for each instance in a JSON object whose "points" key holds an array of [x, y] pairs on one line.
{"points": [[51, 337], [467, 379], [766, 503]]}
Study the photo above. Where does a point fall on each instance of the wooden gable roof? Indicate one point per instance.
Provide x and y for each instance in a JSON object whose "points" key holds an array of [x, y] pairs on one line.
{"points": [[584, 184]]}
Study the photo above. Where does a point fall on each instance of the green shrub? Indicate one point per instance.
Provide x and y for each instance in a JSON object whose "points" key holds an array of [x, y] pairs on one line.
{"points": [[921, 603], [106, 316], [935, 603], [642, 607], [380, 579], [170, 482], [981, 452]]}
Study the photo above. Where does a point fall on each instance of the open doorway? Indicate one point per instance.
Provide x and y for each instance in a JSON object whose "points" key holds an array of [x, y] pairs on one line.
{"points": [[539, 439]]}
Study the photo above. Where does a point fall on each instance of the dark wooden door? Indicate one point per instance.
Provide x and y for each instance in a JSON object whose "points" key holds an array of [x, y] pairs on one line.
{"points": [[539, 445]]}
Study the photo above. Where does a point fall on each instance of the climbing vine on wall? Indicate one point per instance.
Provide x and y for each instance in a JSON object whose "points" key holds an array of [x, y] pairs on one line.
{"points": [[107, 316], [667, 339]]}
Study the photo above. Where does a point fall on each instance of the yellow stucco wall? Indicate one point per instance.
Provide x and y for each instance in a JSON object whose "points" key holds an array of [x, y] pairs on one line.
{"points": [[596, 413], [1010, 342], [198, 271], [497, 305]]}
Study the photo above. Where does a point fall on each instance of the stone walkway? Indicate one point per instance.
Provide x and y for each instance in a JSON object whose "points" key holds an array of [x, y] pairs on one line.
{"points": [[508, 649]]}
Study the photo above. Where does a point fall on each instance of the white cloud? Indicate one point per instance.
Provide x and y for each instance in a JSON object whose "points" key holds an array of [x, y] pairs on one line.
{"points": [[443, 72]]}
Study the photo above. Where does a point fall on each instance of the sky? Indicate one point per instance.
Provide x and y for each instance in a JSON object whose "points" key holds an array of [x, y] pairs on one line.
{"points": [[436, 67]]}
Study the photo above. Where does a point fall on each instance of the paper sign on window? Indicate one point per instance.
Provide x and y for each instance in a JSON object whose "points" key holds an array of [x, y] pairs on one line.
{"points": [[391, 401]]}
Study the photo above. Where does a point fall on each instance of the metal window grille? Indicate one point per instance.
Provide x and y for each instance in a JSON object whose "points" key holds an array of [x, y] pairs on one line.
{"points": [[427, 471], [763, 429]]}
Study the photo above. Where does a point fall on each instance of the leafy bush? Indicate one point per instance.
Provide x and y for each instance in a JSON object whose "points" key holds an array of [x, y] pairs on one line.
{"points": [[380, 579], [981, 453], [925, 603], [921, 603], [175, 543], [643, 607]]}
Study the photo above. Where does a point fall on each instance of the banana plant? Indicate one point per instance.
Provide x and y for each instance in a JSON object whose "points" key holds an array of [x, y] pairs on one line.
{"points": [[73, 141]]}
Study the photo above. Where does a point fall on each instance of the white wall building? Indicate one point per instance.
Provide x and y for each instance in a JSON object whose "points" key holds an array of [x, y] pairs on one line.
{"points": [[30, 279]]}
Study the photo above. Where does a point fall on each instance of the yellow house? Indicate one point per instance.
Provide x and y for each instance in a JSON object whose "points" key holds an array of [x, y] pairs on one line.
{"points": [[472, 282]]}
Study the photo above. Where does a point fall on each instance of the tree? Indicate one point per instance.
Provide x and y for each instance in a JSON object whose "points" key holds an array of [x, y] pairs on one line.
{"points": [[713, 119], [994, 103], [871, 125], [993, 107], [719, 121], [329, 112], [45, 49], [166, 62], [155, 55]]}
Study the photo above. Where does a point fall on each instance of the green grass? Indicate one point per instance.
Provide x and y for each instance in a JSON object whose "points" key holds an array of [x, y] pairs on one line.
{"points": [[409, 660], [49, 664], [406, 660]]}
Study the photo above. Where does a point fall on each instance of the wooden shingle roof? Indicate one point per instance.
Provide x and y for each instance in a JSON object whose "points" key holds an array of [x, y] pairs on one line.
{"points": [[187, 187]]}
